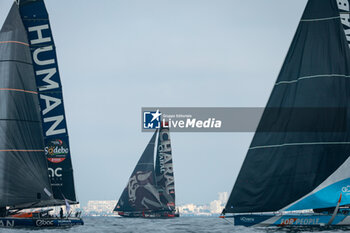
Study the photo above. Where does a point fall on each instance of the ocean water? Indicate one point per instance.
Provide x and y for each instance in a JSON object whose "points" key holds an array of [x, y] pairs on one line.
{"points": [[182, 224]]}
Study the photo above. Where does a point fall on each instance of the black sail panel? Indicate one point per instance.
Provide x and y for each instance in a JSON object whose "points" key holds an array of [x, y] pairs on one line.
{"points": [[282, 166], [36, 22], [23, 166], [164, 169], [141, 193]]}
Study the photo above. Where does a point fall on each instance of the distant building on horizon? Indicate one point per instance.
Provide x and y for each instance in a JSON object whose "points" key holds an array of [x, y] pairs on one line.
{"points": [[99, 208], [105, 207], [214, 208]]}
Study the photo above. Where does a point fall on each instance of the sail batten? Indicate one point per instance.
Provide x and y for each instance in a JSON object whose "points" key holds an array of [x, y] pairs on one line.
{"points": [[298, 144], [283, 167], [313, 76], [320, 19]]}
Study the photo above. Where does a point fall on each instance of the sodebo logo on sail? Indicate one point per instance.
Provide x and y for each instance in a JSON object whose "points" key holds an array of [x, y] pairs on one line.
{"points": [[343, 6], [45, 71]]}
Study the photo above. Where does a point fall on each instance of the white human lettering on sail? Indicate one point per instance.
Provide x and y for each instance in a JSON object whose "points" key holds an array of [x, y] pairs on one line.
{"points": [[38, 30], [43, 50], [343, 6], [52, 130], [48, 100], [49, 73], [44, 56]]}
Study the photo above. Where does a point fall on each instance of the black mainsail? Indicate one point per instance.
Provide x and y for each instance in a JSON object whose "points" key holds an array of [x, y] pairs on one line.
{"points": [[43, 52], [286, 170], [165, 169], [24, 178], [141, 193]]}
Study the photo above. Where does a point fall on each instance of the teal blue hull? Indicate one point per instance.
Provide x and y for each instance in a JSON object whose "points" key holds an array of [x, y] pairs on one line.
{"points": [[286, 220]]}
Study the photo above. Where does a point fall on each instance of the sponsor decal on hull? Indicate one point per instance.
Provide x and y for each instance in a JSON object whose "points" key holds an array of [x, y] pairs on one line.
{"points": [[299, 221], [42, 222], [247, 219]]}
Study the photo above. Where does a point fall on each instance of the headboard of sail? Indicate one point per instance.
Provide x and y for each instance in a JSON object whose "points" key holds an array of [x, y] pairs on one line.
{"points": [[286, 170], [36, 21]]}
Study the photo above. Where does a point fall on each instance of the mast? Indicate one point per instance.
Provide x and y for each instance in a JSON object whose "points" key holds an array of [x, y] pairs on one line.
{"points": [[164, 169], [56, 141], [23, 166], [293, 170], [141, 193]]}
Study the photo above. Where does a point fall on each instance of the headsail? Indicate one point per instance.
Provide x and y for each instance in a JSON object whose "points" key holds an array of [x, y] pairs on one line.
{"points": [[282, 168], [141, 193], [164, 169], [42, 47], [23, 168]]}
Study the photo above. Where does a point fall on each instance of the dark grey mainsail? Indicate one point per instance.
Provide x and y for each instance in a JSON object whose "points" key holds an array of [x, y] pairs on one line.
{"points": [[164, 169], [24, 179], [141, 193], [282, 167]]}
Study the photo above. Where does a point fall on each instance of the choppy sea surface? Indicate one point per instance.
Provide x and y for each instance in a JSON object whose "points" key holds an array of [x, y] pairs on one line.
{"points": [[182, 224]]}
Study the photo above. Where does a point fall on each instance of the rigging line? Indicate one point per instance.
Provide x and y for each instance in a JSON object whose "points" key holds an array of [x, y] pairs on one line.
{"points": [[299, 144], [20, 90], [228, 221], [20, 150], [14, 42], [319, 19], [313, 76]]}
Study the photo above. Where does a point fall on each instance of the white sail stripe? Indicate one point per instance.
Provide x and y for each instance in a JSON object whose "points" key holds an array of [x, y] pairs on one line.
{"points": [[320, 19], [298, 144], [314, 76]]}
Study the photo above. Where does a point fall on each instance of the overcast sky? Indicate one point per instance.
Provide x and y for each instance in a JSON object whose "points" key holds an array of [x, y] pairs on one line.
{"points": [[116, 56]]}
